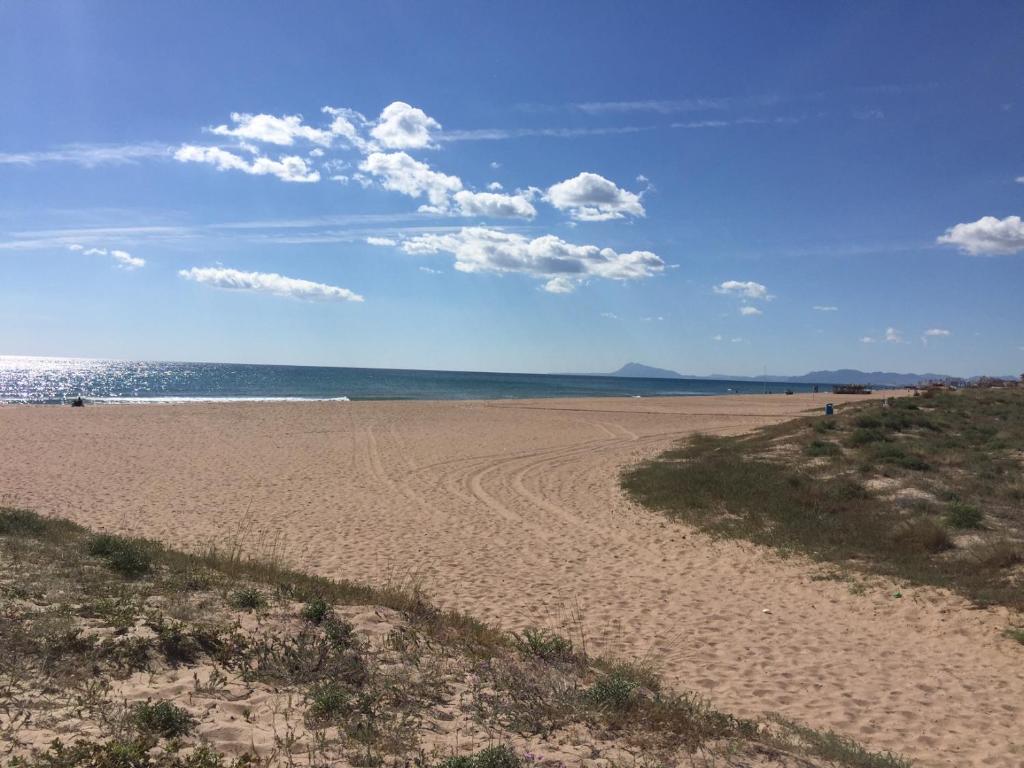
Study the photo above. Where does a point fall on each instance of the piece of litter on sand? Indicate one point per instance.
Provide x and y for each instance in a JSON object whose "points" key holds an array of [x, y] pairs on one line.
{"points": [[765, 610]]}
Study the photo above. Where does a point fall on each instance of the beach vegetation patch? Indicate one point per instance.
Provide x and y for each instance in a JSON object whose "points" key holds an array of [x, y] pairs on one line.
{"points": [[129, 557], [332, 689], [875, 506], [162, 719], [544, 644]]}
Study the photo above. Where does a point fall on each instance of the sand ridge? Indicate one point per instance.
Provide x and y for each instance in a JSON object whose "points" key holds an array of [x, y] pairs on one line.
{"points": [[511, 510]]}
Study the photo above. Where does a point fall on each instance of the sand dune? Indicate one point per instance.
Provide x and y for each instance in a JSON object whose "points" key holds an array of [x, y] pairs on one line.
{"points": [[512, 511]]}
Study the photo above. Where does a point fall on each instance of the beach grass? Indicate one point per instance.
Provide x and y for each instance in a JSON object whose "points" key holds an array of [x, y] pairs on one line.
{"points": [[86, 641], [926, 490]]}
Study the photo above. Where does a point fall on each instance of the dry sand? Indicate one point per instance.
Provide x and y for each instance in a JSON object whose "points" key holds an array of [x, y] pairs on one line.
{"points": [[512, 511]]}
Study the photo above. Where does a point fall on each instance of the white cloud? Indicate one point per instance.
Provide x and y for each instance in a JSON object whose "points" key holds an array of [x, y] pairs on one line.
{"points": [[893, 336], [402, 126], [495, 186], [268, 282], [290, 168], [1019, 179], [717, 337], [317, 152], [493, 204], [591, 197], [610, 315], [124, 259], [560, 284], [932, 333], [736, 339], [430, 271], [344, 125], [867, 340], [270, 129], [401, 173], [750, 311], [90, 155], [495, 164], [381, 241], [988, 236], [564, 265], [821, 308], [748, 289]]}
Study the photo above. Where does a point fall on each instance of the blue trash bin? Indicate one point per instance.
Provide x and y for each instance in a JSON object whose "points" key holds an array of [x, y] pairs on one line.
{"points": [[829, 410]]}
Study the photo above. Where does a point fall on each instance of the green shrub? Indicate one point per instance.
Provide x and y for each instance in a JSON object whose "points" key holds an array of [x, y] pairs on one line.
{"points": [[861, 437], [129, 557], [162, 719], [615, 693], [543, 644], [499, 756], [329, 701], [247, 599], [964, 516], [823, 448], [20, 522], [922, 534], [316, 610]]}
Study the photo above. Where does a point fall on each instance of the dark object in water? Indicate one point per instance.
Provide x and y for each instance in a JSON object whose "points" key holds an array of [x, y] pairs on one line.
{"points": [[789, 391], [78, 402]]}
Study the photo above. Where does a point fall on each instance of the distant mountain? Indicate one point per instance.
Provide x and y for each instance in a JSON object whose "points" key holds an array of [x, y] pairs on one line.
{"points": [[841, 376], [638, 371]]}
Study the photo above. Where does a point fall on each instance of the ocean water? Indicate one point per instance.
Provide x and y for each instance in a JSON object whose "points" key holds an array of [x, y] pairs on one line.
{"points": [[57, 380]]}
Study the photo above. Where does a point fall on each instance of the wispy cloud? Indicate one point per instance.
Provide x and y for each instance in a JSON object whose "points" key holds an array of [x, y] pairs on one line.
{"points": [[123, 259], [750, 311], [268, 282], [382, 241], [785, 120], [91, 155], [824, 308], [657, 106], [502, 134], [932, 333]]}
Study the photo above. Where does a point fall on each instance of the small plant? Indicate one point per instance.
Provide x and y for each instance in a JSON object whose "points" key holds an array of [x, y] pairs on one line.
{"points": [[316, 610], [129, 557], [823, 448], [964, 516], [997, 555], [922, 534], [247, 599], [614, 693], [162, 719], [862, 436], [499, 756], [1015, 633], [543, 644], [329, 701], [338, 631]]}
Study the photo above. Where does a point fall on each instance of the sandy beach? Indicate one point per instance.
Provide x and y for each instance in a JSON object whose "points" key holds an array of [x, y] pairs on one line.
{"points": [[512, 511]]}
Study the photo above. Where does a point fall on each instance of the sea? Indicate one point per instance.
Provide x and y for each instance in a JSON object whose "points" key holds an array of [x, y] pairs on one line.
{"points": [[49, 380]]}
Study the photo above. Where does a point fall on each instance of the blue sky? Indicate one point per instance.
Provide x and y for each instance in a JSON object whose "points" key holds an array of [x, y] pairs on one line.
{"points": [[710, 187]]}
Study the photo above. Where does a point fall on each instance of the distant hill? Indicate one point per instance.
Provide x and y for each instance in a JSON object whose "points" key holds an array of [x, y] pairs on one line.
{"points": [[841, 376], [638, 371]]}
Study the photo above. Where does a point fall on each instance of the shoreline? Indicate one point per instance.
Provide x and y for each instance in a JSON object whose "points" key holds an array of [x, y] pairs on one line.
{"points": [[256, 400]]}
